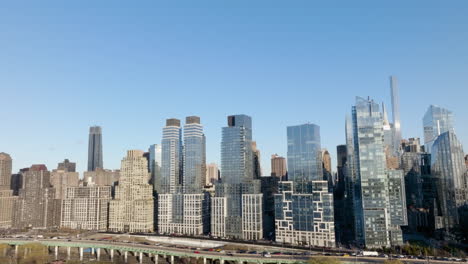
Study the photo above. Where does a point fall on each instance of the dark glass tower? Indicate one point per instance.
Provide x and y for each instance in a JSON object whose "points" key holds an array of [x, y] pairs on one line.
{"points": [[95, 148]]}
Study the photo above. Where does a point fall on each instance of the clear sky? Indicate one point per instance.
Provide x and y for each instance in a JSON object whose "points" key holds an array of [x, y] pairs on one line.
{"points": [[129, 65]]}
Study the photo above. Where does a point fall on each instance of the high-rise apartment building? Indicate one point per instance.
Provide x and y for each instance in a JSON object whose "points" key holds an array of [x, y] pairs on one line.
{"points": [[304, 206], [212, 173], [183, 208], [5, 170], [36, 205], [61, 180], [436, 121], [194, 169], [7, 199], [449, 169], [95, 148], [171, 158], [278, 166], [86, 207], [132, 209], [372, 189], [236, 210], [66, 165]]}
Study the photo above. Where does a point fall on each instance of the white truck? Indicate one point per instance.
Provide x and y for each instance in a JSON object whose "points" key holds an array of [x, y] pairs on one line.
{"points": [[369, 253]]}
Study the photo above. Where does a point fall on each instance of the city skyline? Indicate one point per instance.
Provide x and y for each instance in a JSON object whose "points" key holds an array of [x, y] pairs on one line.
{"points": [[119, 65]]}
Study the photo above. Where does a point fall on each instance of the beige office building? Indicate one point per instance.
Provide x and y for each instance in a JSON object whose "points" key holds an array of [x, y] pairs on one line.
{"points": [[278, 166], [326, 160], [6, 195], [212, 173], [132, 208], [85, 207]]}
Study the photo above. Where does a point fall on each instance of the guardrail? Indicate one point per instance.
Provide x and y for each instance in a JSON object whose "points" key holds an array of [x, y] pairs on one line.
{"points": [[150, 250]]}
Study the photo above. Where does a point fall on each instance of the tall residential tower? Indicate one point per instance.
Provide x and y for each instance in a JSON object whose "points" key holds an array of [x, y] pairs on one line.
{"points": [[304, 206], [375, 193], [236, 210]]}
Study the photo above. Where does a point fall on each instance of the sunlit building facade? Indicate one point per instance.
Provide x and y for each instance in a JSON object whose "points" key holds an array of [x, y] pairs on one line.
{"points": [[304, 206], [132, 209], [238, 199], [375, 193]]}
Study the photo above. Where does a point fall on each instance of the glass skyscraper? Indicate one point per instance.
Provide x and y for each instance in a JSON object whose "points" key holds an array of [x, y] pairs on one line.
{"points": [[95, 149], [304, 207], [436, 121], [375, 192], [194, 156], [171, 156], [449, 170], [237, 205], [183, 208], [154, 162]]}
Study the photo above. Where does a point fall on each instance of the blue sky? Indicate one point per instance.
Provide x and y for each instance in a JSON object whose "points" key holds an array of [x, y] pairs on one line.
{"points": [[129, 65]]}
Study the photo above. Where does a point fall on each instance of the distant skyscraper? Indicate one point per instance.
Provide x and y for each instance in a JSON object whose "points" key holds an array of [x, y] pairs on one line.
{"points": [[466, 160], [341, 159], [7, 199], [36, 206], [391, 151], [327, 168], [256, 161], [436, 121], [373, 190], [237, 206], [66, 165], [278, 166], [95, 148], [304, 206], [447, 165], [132, 209], [395, 114], [86, 207], [326, 160], [212, 173], [154, 162]]}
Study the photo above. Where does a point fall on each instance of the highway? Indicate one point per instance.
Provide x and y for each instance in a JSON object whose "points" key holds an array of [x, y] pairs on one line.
{"points": [[205, 253]]}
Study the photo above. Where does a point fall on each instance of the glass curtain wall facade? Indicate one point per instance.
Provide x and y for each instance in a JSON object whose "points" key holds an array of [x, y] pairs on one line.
{"points": [[448, 167], [304, 207], [239, 193], [369, 180], [95, 148], [436, 121]]}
